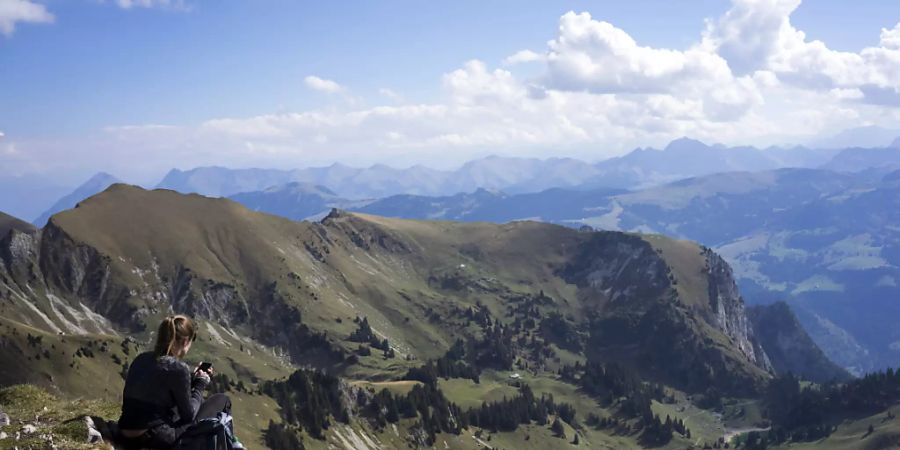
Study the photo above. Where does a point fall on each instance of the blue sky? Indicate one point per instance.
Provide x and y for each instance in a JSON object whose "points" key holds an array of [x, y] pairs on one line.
{"points": [[139, 86]]}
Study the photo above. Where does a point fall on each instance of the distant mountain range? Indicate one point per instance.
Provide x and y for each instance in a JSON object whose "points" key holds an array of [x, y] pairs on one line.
{"points": [[857, 159], [868, 136], [640, 168], [512, 174]]}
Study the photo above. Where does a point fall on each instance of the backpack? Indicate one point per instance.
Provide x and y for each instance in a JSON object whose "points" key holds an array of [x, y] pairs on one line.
{"points": [[210, 434]]}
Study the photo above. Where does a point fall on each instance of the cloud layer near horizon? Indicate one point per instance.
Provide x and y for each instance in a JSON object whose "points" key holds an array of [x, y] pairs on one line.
{"points": [[751, 77]]}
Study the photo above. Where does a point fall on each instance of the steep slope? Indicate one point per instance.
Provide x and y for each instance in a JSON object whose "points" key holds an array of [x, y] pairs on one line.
{"points": [[94, 185], [129, 255], [789, 347]]}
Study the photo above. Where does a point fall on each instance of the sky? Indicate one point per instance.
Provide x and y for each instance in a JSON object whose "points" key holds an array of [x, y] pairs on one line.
{"points": [[137, 87]]}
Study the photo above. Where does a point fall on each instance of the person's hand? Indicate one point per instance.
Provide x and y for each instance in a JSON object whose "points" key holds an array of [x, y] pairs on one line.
{"points": [[210, 372], [201, 378]]}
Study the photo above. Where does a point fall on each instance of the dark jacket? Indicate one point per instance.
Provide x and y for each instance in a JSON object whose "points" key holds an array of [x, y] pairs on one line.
{"points": [[160, 391]]}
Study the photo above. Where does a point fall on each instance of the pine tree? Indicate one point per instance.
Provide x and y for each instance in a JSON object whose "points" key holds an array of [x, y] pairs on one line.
{"points": [[558, 429]]}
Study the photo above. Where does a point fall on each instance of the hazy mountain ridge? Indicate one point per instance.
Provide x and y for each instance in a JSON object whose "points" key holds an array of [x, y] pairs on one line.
{"points": [[682, 158], [515, 174], [641, 168], [96, 184], [295, 200], [867, 136], [788, 345], [857, 159]]}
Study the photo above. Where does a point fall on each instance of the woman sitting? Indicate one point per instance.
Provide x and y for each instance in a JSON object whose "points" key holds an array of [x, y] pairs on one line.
{"points": [[163, 396]]}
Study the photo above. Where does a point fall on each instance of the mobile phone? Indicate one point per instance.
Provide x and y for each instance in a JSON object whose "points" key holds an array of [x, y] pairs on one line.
{"points": [[205, 366]]}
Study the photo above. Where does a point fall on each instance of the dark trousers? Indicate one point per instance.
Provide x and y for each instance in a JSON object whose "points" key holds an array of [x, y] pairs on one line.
{"points": [[164, 437], [213, 405]]}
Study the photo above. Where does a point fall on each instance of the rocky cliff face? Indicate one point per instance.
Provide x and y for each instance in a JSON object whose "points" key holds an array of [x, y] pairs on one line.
{"points": [[729, 315], [128, 256], [636, 297]]}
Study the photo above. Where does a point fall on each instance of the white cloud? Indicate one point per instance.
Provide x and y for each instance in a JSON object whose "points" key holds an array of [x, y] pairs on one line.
{"points": [[890, 39], [177, 5], [596, 56], [751, 32], [391, 94], [25, 11], [322, 85], [523, 56], [758, 35]]}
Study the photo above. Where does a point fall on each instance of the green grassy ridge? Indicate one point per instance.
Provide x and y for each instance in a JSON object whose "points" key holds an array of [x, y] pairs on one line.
{"points": [[349, 265]]}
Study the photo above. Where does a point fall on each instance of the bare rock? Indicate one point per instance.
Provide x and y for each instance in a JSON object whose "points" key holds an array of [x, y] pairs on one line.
{"points": [[93, 434]]}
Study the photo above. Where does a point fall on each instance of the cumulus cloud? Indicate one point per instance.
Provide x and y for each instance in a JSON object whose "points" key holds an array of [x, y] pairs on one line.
{"points": [[758, 35], [523, 56], [322, 85], [890, 39], [751, 32], [595, 56], [25, 11]]}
